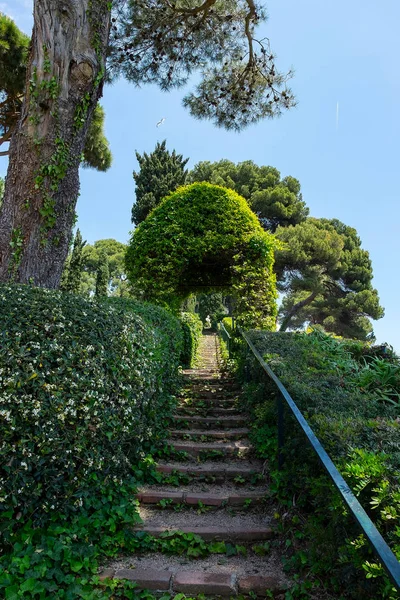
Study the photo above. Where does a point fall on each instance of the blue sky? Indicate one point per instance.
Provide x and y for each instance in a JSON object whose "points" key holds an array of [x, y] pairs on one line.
{"points": [[341, 51]]}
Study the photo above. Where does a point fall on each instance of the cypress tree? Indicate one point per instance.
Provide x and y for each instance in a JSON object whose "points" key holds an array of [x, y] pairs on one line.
{"points": [[103, 275], [73, 274], [161, 172]]}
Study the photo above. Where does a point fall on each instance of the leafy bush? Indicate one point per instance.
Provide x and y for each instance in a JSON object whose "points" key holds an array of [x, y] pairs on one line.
{"points": [[84, 391], [205, 238], [357, 423], [228, 324], [192, 328]]}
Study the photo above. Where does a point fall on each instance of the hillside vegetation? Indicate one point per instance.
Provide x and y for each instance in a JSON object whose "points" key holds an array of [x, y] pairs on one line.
{"points": [[350, 394]]}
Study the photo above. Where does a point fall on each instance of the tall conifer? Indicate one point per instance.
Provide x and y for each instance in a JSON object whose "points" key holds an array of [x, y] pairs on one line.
{"points": [[73, 274], [103, 275], [161, 172]]}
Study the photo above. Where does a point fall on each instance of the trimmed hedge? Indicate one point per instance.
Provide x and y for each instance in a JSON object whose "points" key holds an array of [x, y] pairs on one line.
{"points": [[84, 391], [205, 238], [192, 328], [337, 386]]}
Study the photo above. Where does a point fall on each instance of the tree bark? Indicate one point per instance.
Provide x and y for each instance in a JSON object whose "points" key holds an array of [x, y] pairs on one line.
{"points": [[64, 82], [295, 308]]}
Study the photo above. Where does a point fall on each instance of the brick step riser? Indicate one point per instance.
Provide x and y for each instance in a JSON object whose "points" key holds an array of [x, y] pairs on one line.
{"points": [[211, 534], [217, 424], [217, 476], [208, 405], [212, 412], [212, 454], [220, 382], [209, 394], [214, 401], [194, 583], [193, 499], [208, 435]]}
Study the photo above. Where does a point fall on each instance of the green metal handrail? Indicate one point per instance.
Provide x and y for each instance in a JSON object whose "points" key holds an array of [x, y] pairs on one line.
{"points": [[378, 544]]}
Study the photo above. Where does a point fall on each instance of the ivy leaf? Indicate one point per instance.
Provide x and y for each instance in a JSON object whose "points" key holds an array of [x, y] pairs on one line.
{"points": [[12, 593], [76, 565]]}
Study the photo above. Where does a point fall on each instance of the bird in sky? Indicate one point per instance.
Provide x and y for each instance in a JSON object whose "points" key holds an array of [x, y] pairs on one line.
{"points": [[160, 122]]}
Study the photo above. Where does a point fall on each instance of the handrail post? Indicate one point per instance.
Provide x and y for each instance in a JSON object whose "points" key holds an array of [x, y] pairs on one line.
{"points": [[281, 431]]}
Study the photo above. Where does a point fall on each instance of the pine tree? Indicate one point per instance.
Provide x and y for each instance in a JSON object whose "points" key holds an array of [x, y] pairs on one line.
{"points": [[146, 41], [103, 275], [327, 278], [161, 172]]}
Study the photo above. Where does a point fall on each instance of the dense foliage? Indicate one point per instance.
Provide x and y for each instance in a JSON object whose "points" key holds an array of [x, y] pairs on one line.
{"points": [[192, 328], [89, 263], [276, 201], [13, 57], [13, 52], [78, 382], [350, 394], [205, 238], [327, 278], [212, 306], [161, 172], [97, 153]]}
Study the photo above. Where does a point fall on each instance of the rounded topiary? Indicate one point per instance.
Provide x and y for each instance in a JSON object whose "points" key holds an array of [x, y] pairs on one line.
{"points": [[205, 238]]}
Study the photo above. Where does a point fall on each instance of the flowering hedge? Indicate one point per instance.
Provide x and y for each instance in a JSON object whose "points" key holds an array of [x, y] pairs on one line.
{"points": [[84, 389]]}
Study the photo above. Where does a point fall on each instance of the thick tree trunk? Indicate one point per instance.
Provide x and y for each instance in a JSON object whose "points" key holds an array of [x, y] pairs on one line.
{"points": [[64, 82], [295, 308]]}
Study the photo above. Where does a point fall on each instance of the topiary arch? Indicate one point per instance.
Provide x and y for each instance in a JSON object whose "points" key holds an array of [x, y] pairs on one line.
{"points": [[204, 238]]}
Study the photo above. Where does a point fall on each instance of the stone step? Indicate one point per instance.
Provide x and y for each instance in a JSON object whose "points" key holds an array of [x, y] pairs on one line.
{"points": [[204, 394], [203, 378], [214, 473], [205, 498], [204, 422], [209, 576], [212, 450], [208, 412], [221, 382], [216, 533], [197, 403], [192, 434]]}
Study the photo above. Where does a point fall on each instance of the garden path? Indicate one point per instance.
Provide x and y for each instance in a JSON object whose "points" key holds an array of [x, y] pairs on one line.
{"points": [[221, 496]]}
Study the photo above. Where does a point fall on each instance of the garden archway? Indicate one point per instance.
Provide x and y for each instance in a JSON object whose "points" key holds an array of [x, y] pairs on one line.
{"points": [[203, 238]]}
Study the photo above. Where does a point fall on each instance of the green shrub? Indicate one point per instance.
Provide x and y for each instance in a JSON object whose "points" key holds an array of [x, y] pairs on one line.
{"points": [[205, 238], [84, 391], [192, 329], [228, 324], [358, 424]]}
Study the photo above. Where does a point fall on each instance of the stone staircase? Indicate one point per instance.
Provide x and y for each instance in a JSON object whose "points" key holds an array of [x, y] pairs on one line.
{"points": [[221, 496]]}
